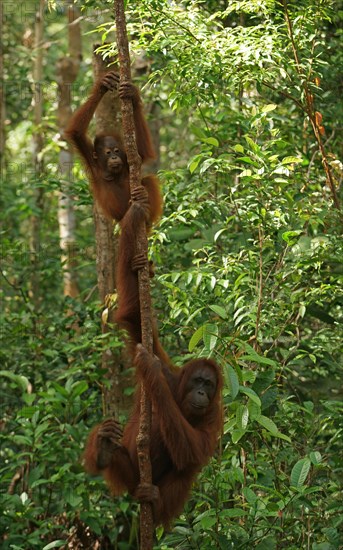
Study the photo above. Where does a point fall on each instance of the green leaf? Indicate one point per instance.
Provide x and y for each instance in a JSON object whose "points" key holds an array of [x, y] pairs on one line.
{"points": [[269, 397], [248, 160], [28, 412], [220, 232], [208, 522], [79, 388], [291, 160], [249, 495], [268, 424], [258, 359], [283, 171], [231, 380], [219, 310], [291, 237], [210, 336], [238, 148], [41, 429], [242, 417], [271, 427], [54, 544], [197, 336], [211, 141], [302, 310], [300, 472], [194, 163], [60, 390], [252, 355], [316, 458], [39, 483], [252, 144], [309, 406], [282, 436], [73, 499], [213, 282], [237, 435], [22, 440], [254, 410], [249, 376], [251, 394], [229, 425], [263, 380], [272, 158], [268, 108], [193, 166], [207, 164]]}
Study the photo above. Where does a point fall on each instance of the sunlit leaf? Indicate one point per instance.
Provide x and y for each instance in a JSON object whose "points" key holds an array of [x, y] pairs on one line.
{"points": [[211, 141], [268, 108], [197, 336], [238, 148], [242, 416], [291, 160]]}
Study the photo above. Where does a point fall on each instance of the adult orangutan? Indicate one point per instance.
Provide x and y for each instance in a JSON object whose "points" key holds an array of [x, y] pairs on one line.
{"points": [[186, 405], [105, 159]]}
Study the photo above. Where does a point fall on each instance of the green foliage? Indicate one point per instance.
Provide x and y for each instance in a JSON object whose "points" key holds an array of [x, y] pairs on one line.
{"points": [[42, 447], [248, 257]]}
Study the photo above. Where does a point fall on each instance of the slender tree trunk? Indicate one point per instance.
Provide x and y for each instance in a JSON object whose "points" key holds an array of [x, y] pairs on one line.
{"points": [[37, 102], [134, 160], [2, 110], [67, 70]]}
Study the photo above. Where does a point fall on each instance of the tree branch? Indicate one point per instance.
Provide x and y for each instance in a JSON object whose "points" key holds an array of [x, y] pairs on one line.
{"points": [[134, 161], [310, 108]]}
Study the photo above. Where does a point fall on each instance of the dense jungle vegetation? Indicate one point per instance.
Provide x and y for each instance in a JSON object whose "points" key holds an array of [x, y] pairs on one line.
{"points": [[244, 101]]}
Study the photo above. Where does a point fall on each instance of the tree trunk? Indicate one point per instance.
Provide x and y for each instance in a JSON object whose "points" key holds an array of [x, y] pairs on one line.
{"points": [[37, 102], [67, 70], [2, 114]]}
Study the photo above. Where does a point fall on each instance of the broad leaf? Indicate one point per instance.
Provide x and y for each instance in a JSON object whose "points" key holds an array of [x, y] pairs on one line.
{"points": [[231, 380], [300, 472], [251, 394], [197, 336]]}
